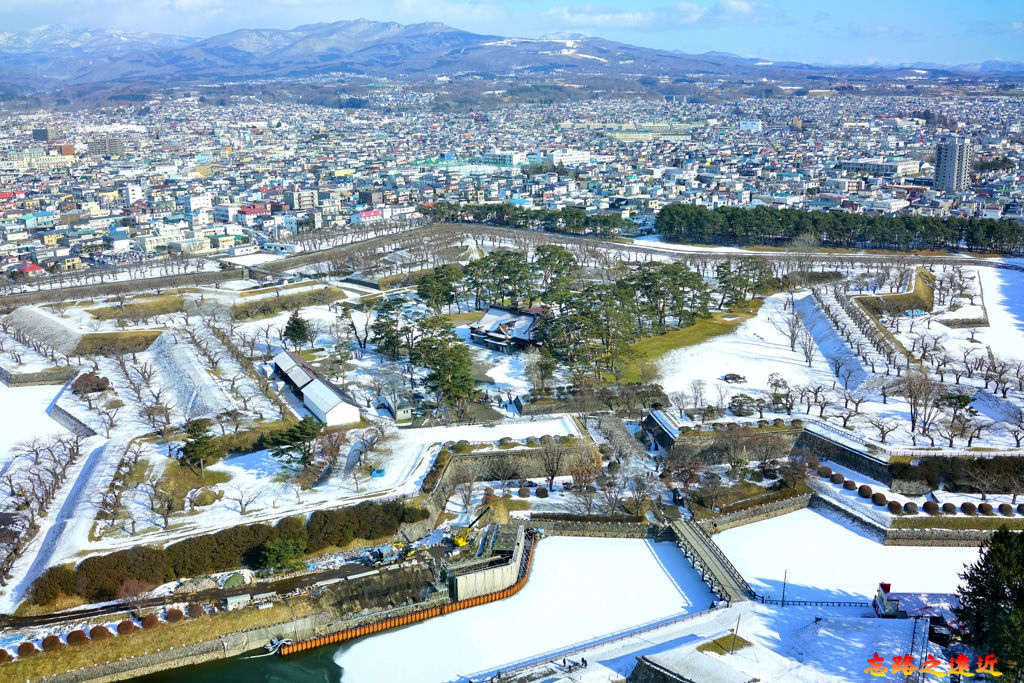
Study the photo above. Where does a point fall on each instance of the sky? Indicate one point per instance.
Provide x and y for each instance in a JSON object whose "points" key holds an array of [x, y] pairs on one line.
{"points": [[812, 31]]}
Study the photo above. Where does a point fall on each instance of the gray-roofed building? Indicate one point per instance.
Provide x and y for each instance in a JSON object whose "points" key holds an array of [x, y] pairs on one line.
{"points": [[505, 329], [329, 404]]}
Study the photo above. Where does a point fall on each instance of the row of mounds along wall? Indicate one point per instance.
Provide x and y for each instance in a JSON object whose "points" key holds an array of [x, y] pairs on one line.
{"points": [[413, 617]]}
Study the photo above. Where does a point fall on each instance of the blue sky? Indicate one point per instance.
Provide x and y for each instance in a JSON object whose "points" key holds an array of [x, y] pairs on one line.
{"points": [[849, 32]]}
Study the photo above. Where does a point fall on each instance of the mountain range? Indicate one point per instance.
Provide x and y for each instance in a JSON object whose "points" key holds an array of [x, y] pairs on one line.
{"points": [[49, 57]]}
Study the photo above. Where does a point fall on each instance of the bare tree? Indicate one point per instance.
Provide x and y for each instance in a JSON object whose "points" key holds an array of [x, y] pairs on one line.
{"points": [[503, 468], [464, 479], [134, 593], [787, 323], [552, 460], [640, 490], [922, 393], [883, 426], [807, 346], [710, 490], [243, 498], [612, 495]]}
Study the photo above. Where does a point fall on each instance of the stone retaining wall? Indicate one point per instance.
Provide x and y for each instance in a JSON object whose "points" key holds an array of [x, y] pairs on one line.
{"points": [[229, 645], [937, 537], [70, 422], [756, 513], [57, 375], [595, 529], [846, 457]]}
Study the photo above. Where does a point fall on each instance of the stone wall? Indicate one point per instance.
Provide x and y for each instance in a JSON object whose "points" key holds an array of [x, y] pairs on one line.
{"points": [[528, 463], [70, 422], [229, 645], [595, 529], [936, 537], [858, 462], [756, 513], [56, 375]]}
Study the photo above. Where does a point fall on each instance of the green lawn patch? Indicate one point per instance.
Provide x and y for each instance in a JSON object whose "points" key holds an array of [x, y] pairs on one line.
{"points": [[654, 347]]}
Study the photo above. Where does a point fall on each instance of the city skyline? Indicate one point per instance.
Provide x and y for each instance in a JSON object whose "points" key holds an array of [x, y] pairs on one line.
{"points": [[791, 30]]}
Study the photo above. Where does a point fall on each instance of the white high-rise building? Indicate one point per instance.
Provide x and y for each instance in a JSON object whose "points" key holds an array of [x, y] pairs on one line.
{"points": [[953, 158]]}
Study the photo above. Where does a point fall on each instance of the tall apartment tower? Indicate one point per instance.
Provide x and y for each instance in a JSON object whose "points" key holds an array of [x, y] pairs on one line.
{"points": [[953, 158]]}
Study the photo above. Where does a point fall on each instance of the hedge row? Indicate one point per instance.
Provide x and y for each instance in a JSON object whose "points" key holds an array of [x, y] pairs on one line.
{"points": [[567, 517], [101, 577]]}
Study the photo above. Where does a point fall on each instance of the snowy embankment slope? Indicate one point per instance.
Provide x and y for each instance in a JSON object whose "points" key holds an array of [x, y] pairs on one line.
{"points": [[825, 559], [579, 588], [755, 349]]}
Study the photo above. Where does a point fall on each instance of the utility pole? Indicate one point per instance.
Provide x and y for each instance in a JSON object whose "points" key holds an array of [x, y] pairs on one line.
{"points": [[785, 574], [735, 632]]}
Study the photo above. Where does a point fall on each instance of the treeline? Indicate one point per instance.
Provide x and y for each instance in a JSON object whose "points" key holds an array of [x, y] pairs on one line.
{"points": [[104, 577], [569, 220], [769, 226]]}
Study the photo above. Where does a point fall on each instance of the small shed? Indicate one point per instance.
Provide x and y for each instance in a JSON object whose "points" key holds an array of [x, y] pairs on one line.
{"points": [[236, 601]]}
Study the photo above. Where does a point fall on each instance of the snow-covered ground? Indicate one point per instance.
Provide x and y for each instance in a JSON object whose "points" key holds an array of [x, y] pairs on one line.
{"points": [[579, 588], [755, 349], [822, 558], [25, 418], [252, 259]]}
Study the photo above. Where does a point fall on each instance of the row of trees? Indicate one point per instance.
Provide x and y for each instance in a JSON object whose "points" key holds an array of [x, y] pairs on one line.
{"points": [[105, 577], [569, 220], [765, 225]]}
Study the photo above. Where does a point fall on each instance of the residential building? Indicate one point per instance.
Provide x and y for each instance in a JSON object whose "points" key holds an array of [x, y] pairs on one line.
{"points": [[953, 159]]}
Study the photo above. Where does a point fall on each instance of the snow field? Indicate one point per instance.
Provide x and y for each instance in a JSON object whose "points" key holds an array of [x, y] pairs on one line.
{"points": [[823, 559], [579, 589], [26, 417]]}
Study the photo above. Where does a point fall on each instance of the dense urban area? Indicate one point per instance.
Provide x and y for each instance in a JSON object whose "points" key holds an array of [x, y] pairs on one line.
{"points": [[698, 387]]}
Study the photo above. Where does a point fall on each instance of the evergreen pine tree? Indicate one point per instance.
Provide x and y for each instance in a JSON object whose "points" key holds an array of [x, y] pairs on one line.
{"points": [[992, 601], [296, 330]]}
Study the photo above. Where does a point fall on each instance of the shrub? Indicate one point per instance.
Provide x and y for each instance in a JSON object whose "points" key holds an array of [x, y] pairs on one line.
{"points": [[895, 507], [195, 610], [175, 615], [5, 656], [524, 492], [52, 643], [150, 621], [986, 509], [100, 633], [968, 508], [613, 466], [77, 637], [27, 649], [931, 507], [1020, 509], [542, 492], [51, 583], [864, 491], [411, 514], [1005, 509], [949, 508], [756, 476], [125, 627], [89, 383], [824, 472], [878, 498], [836, 478], [849, 484], [205, 497]]}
